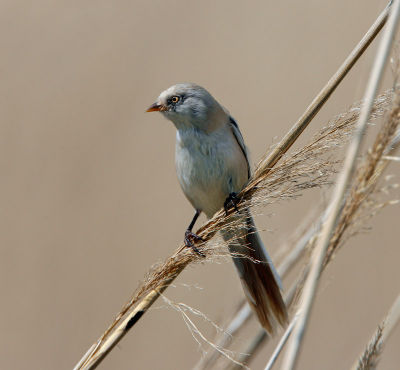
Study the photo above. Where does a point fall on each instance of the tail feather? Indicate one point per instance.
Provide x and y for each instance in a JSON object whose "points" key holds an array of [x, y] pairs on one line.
{"points": [[258, 276]]}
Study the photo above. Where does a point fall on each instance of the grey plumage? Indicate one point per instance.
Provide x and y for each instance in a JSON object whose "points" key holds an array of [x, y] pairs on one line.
{"points": [[212, 163]]}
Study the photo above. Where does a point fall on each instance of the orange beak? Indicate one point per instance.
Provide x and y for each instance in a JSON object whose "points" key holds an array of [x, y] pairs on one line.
{"points": [[156, 108]]}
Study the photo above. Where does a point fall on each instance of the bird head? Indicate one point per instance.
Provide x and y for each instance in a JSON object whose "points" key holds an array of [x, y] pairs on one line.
{"points": [[188, 105]]}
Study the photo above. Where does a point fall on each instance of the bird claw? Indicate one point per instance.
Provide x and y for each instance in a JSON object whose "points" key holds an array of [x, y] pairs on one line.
{"points": [[233, 201], [189, 238]]}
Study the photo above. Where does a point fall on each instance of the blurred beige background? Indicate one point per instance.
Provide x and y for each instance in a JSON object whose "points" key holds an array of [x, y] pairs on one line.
{"points": [[89, 198]]}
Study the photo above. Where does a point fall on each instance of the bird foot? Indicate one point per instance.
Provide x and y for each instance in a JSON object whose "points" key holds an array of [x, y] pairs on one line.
{"points": [[231, 201], [190, 238]]}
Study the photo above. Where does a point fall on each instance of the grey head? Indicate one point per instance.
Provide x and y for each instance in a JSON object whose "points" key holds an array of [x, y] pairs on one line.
{"points": [[189, 105]]}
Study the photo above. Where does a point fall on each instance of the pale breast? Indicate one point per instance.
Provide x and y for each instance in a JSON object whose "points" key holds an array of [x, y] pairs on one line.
{"points": [[209, 167]]}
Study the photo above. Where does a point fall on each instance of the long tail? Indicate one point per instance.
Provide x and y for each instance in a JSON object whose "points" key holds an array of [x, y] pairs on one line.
{"points": [[260, 280]]}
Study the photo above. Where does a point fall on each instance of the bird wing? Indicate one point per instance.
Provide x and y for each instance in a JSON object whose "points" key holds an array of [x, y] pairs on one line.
{"points": [[239, 138]]}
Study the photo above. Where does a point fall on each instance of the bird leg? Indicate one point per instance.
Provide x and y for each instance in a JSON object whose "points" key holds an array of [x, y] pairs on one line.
{"points": [[191, 237], [233, 201]]}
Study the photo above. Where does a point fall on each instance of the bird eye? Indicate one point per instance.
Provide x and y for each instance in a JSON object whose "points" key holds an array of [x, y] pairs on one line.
{"points": [[175, 99]]}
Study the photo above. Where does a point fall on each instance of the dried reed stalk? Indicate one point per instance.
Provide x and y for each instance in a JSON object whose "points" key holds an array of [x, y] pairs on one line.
{"points": [[368, 360], [333, 136], [373, 168], [359, 201], [339, 194], [366, 178], [163, 276]]}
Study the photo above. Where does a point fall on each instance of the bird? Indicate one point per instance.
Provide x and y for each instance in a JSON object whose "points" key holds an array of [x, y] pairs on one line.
{"points": [[212, 166]]}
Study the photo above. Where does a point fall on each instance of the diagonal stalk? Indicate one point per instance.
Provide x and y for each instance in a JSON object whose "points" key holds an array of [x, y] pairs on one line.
{"points": [[341, 188]]}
